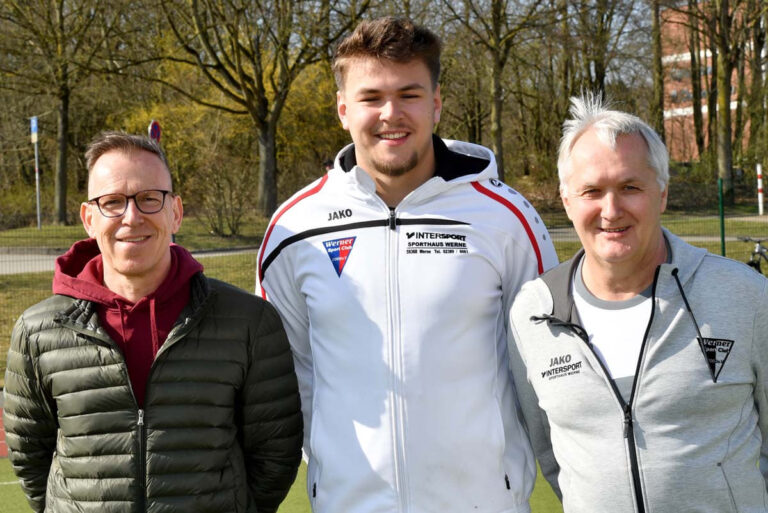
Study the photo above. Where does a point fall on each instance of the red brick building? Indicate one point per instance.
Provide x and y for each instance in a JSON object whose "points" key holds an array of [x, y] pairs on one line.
{"points": [[678, 97]]}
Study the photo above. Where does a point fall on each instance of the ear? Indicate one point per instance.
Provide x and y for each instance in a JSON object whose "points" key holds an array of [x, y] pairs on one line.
{"points": [[341, 109], [177, 207], [86, 216], [438, 104], [664, 199]]}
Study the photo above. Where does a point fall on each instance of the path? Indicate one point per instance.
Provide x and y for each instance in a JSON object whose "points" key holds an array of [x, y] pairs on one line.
{"points": [[11, 263]]}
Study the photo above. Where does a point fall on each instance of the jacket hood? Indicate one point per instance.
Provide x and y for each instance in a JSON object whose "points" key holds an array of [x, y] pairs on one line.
{"points": [[79, 273], [685, 258], [456, 161]]}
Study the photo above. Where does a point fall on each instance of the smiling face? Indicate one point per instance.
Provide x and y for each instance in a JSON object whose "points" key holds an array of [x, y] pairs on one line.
{"points": [[135, 246], [614, 201], [390, 110]]}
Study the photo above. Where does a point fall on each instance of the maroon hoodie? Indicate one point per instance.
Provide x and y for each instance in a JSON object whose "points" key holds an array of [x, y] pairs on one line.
{"points": [[140, 328]]}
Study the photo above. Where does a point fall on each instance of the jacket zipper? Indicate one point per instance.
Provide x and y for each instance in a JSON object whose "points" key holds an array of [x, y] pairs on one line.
{"points": [[177, 333], [140, 426], [396, 361], [629, 426], [629, 430], [142, 461]]}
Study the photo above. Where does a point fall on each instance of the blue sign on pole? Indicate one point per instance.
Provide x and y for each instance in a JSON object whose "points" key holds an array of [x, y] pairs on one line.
{"points": [[33, 128]]}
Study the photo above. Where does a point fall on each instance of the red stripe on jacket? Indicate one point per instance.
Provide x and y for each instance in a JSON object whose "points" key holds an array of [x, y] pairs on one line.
{"points": [[313, 190], [523, 220]]}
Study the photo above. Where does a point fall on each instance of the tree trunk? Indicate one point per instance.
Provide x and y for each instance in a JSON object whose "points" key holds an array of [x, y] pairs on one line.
{"points": [[755, 105], [713, 94], [737, 137], [695, 52], [657, 109], [267, 196], [765, 97], [724, 69], [62, 136], [496, 116]]}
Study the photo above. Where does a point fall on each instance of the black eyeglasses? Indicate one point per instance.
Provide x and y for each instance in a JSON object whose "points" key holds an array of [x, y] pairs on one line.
{"points": [[115, 205]]}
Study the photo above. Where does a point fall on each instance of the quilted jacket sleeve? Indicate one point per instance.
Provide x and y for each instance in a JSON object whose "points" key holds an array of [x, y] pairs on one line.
{"points": [[30, 423], [272, 423]]}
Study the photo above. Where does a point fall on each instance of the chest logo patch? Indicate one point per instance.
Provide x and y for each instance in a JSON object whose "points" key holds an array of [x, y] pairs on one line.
{"points": [[561, 366], [338, 251], [435, 243], [716, 351]]}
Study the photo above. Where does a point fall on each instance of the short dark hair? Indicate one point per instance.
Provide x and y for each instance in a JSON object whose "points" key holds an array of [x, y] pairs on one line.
{"points": [[123, 142], [394, 39]]}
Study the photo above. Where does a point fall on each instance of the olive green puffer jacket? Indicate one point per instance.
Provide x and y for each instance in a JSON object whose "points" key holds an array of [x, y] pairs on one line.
{"points": [[220, 432]]}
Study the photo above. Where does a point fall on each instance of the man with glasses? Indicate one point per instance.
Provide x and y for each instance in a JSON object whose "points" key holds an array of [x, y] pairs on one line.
{"points": [[143, 385]]}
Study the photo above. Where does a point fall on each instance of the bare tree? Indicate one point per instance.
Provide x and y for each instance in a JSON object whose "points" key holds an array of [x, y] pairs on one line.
{"points": [[758, 88], [497, 25], [48, 48], [463, 78], [694, 49], [731, 22], [657, 105], [252, 51], [598, 29]]}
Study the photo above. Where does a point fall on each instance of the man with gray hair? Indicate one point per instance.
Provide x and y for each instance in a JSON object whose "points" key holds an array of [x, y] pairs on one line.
{"points": [[643, 384]]}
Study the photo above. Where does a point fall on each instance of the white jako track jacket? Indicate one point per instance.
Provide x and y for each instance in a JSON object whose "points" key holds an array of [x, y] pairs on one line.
{"points": [[397, 320]]}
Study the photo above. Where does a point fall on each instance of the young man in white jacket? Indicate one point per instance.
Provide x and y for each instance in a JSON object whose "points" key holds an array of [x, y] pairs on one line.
{"points": [[393, 274], [641, 363]]}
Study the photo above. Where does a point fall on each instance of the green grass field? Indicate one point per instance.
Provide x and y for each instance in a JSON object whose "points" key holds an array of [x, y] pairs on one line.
{"points": [[12, 499], [19, 291], [193, 235]]}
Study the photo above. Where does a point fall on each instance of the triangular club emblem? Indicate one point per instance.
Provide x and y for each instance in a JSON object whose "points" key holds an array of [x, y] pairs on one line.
{"points": [[338, 251], [716, 351]]}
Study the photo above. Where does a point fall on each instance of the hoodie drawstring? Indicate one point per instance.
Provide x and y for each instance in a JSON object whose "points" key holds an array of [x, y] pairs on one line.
{"points": [[121, 311], [685, 300], [153, 325], [554, 321]]}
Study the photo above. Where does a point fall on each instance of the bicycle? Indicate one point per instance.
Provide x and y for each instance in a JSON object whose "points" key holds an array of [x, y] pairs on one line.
{"points": [[760, 253]]}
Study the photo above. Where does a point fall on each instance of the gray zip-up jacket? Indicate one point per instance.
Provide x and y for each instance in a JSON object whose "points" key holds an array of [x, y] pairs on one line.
{"points": [[692, 436]]}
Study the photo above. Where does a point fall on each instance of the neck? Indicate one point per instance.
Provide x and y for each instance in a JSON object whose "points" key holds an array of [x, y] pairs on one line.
{"points": [[393, 189], [625, 280], [134, 288]]}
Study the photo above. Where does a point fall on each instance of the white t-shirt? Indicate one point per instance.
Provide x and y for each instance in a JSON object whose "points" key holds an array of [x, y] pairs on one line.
{"points": [[615, 329]]}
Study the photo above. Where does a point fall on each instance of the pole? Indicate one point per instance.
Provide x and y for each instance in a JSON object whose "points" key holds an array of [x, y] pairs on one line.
{"points": [[33, 137], [37, 185], [760, 189], [722, 215]]}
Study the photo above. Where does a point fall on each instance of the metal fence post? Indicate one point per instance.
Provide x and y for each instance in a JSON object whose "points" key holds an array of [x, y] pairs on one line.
{"points": [[760, 189], [722, 215]]}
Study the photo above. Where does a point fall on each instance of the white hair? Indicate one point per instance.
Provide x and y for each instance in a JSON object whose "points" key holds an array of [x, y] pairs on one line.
{"points": [[588, 111]]}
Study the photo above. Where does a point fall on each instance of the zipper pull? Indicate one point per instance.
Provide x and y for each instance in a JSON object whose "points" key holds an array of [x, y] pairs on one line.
{"points": [[392, 219], [627, 420], [314, 490], [141, 418]]}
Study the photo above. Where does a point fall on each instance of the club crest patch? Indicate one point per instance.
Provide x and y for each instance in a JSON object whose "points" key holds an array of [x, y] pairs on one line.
{"points": [[716, 351], [338, 250]]}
